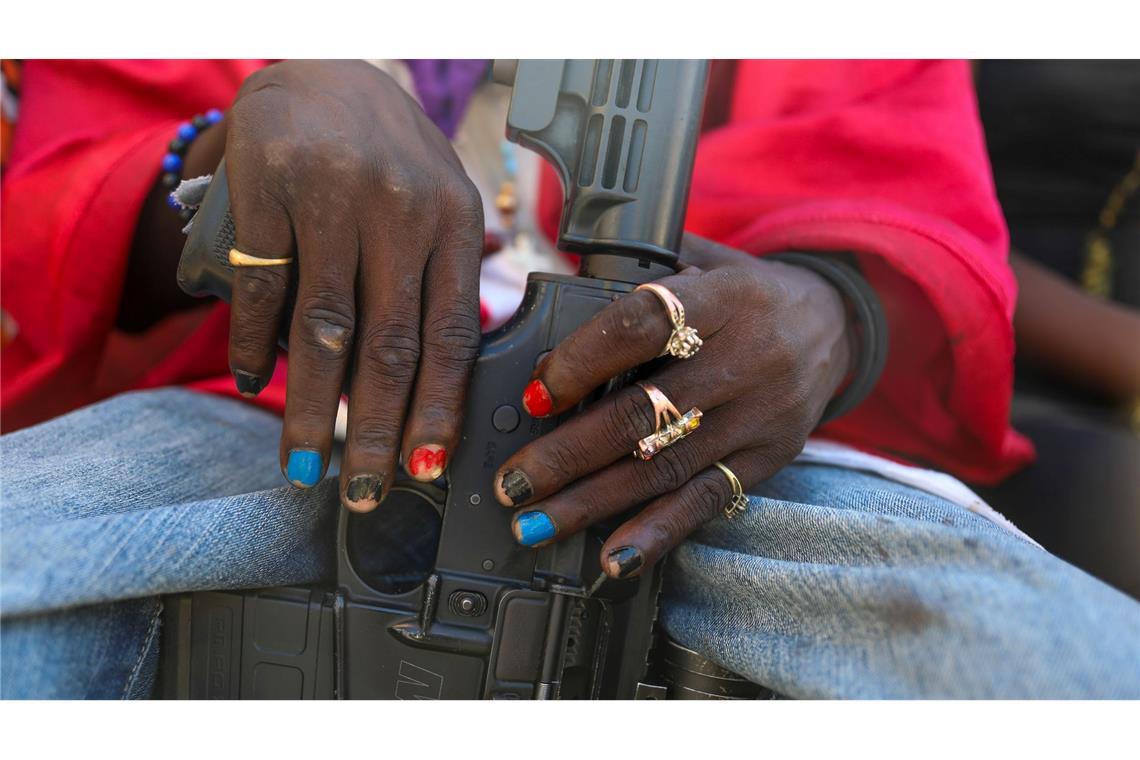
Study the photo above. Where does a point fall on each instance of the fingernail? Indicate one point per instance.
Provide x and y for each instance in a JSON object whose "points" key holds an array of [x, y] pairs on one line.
{"points": [[304, 467], [536, 399], [363, 492], [516, 486], [248, 384], [533, 528], [427, 462], [623, 562]]}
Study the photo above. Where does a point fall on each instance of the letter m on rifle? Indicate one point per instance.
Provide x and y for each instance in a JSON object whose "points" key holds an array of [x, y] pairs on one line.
{"points": [[417, 683]]}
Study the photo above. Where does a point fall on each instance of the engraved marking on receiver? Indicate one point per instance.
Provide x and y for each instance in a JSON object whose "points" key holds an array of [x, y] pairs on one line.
{"points": [[418, 683]]}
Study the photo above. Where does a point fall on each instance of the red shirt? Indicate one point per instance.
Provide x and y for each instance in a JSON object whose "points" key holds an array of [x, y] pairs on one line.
{"points": [[882, 158]]}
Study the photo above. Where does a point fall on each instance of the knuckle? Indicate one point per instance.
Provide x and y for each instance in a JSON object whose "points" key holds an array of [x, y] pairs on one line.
{"points": [[636, 319], [461, 197], [438, 409], [666, 531], [782, 359], [326, 323], [376, 434], [248, 346], [260, 289], [407, 189], [560, 461], [391, 349], [629, 420], [453, 336], [674, 466], [705, 497]]}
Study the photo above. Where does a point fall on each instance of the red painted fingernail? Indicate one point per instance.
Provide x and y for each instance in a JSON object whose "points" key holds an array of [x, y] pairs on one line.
{"points": [[427, 462], [536, 399]]}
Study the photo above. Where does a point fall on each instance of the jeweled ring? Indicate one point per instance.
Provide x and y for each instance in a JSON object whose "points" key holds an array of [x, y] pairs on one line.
{"points": [[739, 502], [239, 259], [672, 426], [683, 342]]}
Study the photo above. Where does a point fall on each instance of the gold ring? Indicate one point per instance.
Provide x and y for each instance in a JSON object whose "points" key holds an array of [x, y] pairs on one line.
{"points": [[739, 501], [239, 259], [683, 342], [671, 425]]}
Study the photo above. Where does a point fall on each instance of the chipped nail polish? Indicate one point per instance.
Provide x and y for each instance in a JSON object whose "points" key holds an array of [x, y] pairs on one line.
{"points": [[363, 492], [516, 486], [536, 399], [624, 561], [304, 467], [427, 462], [248, 384], [533, 528]]}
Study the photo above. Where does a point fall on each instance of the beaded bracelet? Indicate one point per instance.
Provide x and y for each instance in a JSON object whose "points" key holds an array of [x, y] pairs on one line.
{"points": [[176, 152]]}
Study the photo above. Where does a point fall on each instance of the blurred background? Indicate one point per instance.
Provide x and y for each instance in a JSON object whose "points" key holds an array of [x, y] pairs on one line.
{"points": [[1064, 142]]}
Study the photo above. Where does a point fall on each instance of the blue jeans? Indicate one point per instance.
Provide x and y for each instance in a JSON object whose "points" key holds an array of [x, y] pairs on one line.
{"points": [[835, 583]]}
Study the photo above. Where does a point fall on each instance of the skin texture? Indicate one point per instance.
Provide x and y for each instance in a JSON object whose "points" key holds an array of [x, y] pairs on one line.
{"points": [[331, 162], [776, 349], [1086, 341]]}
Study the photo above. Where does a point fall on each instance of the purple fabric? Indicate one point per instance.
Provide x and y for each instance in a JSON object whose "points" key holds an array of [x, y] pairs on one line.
{"points": [[444, 86]]}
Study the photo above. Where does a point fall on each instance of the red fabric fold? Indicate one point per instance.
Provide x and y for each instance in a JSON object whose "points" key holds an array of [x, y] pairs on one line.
{"points": [[885, 159]]}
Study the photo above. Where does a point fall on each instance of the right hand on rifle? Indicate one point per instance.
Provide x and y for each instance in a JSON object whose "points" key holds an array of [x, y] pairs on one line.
{"points": [[333, 164]]}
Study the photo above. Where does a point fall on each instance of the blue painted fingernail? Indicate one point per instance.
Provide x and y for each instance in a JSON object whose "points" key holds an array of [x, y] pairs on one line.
{"points": [[533, 528], [304, 468]]}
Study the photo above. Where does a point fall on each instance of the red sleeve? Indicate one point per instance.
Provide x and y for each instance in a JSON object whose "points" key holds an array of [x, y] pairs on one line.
{"points": [[86, 152], [885, 159]]}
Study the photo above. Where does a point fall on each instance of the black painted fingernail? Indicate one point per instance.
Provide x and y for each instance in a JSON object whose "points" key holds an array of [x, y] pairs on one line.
{"points": [[622, 562], [248, 384], [363, 492], [516, 486]]}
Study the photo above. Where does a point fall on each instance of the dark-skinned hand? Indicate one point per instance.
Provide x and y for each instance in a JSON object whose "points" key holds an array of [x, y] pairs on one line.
{"points": [[776, 348], [332, 163]]}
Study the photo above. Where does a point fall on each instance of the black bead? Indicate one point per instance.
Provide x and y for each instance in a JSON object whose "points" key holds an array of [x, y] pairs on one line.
{"points": [[185, 214], [170, 180], [177, 146], [200, 122]]}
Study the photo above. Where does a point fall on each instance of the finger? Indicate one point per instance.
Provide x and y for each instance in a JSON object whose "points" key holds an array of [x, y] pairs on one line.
{"points": [[667, 521], [627, 333], [320, 344], [612, 427], [450, 344], [259, 294], [629, 482], [387, 356]]}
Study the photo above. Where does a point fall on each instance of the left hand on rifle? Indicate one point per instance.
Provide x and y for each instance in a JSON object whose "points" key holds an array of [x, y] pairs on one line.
{"points": [[775, 349]]}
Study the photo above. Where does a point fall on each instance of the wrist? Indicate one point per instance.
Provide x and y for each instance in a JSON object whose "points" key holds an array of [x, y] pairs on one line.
{"points": [[862, 349], [205, 153]]}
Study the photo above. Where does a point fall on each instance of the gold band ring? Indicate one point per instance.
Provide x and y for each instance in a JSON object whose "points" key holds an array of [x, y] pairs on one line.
{"points": [[683, 342], [671, 425], [239, 259], [739, 502]]}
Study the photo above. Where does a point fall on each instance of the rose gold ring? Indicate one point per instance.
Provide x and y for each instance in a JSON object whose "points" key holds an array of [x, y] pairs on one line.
{"points": [[671, 425], [684, 341], [239, 259]]}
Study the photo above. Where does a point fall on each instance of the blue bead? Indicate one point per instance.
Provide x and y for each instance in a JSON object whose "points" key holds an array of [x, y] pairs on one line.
{"points": [[213, 116], [187, 132], [171, 162], [172, 201]]}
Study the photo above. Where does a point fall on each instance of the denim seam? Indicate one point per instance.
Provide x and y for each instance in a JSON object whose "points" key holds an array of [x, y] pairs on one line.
{"points": [[144, 650]]}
